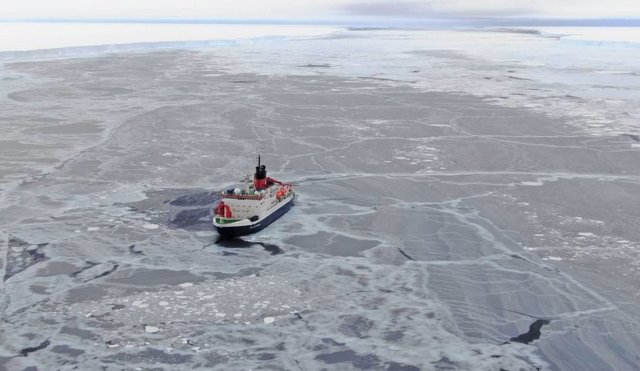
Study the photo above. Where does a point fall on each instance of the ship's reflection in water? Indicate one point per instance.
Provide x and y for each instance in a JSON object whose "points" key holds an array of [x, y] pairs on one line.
{"points": [[239, 243]]}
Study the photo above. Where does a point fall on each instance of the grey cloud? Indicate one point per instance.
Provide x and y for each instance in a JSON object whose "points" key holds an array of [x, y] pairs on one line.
{"points": [[389, 9], [430, 9]]}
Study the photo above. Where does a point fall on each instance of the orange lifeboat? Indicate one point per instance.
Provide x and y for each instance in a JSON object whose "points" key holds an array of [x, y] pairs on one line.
{"points": [[224, 210], [281, 193]]}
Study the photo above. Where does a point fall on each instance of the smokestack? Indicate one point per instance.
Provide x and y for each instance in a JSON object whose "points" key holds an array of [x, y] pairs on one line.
{"points": [[260, 177]]}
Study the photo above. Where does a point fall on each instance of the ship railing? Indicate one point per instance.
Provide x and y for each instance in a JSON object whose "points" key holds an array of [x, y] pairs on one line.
{"points": [[242, 197]]}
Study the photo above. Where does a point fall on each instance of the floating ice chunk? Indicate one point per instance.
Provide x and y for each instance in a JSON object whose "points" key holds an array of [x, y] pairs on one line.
{"points": [[186, 284], [533, 184], [150, 226], [586, 234], [93, 229], [139, 304], [268, 320], [151, 329]]}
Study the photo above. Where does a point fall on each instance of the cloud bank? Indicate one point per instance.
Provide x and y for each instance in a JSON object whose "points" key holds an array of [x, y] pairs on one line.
{"points": [[493, 8], [318, 9]]}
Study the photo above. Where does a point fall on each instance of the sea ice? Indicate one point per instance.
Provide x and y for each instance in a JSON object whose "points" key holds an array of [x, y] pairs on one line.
{"points": [[151, 329]]}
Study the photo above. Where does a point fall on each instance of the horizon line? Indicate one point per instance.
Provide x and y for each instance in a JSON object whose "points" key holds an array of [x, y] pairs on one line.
{"points": [[393, 22]]}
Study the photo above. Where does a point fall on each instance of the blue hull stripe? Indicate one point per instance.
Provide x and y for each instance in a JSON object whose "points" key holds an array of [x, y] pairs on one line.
{"points": [[256, 227]]}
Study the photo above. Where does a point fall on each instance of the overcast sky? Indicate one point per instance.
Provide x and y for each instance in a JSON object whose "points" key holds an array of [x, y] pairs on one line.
{"points": [[318, 9]]}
